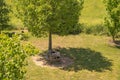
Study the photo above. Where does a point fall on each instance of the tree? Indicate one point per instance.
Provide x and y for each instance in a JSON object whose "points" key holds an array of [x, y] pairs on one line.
{"points": [[113, 18], [4, 18], [46, 16]]}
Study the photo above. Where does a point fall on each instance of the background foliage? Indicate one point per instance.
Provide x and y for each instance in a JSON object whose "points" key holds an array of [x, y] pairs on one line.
{"points": [[4, 15], [113, 17]]}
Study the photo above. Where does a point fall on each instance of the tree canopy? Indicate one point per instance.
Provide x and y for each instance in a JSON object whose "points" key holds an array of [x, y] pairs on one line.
{"points": [[113, 18], [41, 16]]}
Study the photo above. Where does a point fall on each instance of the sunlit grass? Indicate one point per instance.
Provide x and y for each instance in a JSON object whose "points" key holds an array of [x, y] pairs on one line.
{"points": [[93, 12]]}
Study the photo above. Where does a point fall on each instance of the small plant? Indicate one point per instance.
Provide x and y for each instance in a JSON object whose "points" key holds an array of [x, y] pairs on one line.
{"points": [[13, 58]]}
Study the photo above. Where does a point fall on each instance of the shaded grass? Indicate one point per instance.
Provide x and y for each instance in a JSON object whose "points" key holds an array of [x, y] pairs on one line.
{"points": [[86, 59]]}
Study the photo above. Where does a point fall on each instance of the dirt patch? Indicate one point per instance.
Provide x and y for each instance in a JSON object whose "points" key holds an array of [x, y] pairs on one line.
{"points": [[41, 61]]}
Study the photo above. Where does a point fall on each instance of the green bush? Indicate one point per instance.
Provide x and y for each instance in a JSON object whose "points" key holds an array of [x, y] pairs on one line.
{"points": [[8, 33], [24, 36], [13, 58], [77, 29], [96, 29]]}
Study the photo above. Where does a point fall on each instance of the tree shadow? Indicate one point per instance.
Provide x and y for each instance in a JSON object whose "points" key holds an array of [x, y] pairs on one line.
{"points": [[86, 59], [117, 47], [117, 44]]}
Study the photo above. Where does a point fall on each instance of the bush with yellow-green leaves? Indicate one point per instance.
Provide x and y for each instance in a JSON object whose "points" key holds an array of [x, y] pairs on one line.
{"points": [[13, 57]]}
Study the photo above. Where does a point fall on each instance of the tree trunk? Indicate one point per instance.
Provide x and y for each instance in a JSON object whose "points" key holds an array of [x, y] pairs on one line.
{"points": [[50, 44], [113, 38]]}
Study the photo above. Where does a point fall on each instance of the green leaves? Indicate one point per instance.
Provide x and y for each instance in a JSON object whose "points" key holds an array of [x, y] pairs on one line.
{"points": [[49, 16], [40, 16], [13, 57], [113, 18]]}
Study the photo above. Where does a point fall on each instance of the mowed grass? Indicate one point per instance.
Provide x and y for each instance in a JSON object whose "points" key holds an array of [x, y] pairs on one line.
{"points": [[95, 58], [93, 12]]}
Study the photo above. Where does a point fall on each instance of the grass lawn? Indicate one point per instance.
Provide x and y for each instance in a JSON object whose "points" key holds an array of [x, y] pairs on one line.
{"points": [[93, 12], [94, 59]]}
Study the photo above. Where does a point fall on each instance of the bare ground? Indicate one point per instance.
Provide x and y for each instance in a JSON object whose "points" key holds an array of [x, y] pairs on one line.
{"points": [[42, 62]]}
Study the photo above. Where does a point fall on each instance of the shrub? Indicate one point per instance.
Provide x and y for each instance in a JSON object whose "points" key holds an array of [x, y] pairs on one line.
{"points": [[13, 58], [98, 29], [8, 33], [24, 36], [77, 29]]}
